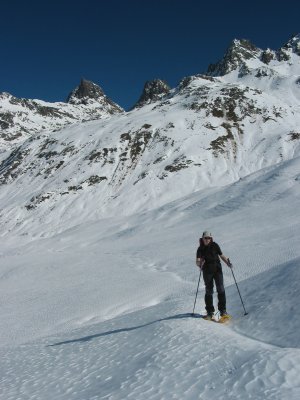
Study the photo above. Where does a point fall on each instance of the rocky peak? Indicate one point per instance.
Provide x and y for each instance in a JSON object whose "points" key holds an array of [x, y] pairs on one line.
{"points": [[88, 92], [292, 46], [85, 90], [18, 116], [237, 53], [267, 56], [4, 95], [153, 90], [284, 52]]}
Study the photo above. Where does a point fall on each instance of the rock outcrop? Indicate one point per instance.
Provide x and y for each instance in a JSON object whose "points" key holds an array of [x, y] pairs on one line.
{"points": [[153, 91]]}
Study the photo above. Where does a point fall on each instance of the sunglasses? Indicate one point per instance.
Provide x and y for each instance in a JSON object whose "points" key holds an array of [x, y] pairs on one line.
{"points": [[207, 238]]}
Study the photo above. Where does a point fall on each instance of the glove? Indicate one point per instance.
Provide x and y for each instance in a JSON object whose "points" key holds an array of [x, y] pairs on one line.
{"points": [[229, 263]]}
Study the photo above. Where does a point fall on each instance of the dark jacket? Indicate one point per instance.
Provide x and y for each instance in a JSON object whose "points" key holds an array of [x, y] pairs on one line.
{"points": [[210, 254]]}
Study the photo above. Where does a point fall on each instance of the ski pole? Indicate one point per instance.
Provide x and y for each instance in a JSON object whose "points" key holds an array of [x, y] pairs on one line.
{"points": [[197, 291], [230, 265]]}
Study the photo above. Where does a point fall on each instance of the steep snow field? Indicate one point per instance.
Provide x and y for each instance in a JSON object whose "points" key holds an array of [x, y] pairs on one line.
{"points": [[102, 310]]}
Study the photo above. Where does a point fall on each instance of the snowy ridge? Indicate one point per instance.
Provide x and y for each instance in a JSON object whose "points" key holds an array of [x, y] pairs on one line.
{"points": [[21, 118]]}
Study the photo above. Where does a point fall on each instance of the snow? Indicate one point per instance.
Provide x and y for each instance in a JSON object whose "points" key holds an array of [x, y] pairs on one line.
{"points": [[102, 310], [98, 281], [280, 80]]}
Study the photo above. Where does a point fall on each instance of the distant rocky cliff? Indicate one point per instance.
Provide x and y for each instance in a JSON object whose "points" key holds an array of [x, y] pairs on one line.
{"points": [[21, 118]]}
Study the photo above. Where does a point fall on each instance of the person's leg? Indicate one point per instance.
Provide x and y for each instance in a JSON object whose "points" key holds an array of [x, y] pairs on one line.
{"points": [[218, 277], [209, 290]]}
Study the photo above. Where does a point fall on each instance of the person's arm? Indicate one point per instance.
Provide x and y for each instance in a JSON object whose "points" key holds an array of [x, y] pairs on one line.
{"points": [[199, 259], [221, 255], [226, 260], [200, 262]]}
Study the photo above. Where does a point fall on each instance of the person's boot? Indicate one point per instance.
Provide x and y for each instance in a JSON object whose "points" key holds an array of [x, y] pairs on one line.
{"points": [[224, 316], [208, 316]]}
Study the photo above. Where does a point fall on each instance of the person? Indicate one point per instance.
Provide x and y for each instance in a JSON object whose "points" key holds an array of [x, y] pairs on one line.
{"points": [[208, 260]]}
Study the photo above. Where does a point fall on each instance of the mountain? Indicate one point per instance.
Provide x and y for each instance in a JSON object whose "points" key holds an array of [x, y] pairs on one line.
{"points": [[22, 118], [242, 55], [88, 93], [235, 57], [208, 131]]}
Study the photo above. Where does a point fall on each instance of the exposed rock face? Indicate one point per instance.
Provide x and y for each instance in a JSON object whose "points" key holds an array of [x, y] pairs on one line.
{"points": [[236, 54], [88, 92], [86, 89], [293, 45], [153, 91], [267, 56]]}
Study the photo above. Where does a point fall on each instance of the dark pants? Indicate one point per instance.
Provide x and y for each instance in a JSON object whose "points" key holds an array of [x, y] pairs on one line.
{"points": [[213, 273]]}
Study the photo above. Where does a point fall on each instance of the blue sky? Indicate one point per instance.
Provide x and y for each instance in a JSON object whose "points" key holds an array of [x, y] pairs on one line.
{"points": [[48, 46]]}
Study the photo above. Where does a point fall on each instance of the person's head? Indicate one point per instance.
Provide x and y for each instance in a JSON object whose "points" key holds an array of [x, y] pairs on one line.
{"points": [[207, 238]]}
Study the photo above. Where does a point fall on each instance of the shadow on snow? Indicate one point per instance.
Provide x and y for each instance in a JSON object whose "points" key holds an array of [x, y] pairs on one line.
{"points": [[91, 337]]}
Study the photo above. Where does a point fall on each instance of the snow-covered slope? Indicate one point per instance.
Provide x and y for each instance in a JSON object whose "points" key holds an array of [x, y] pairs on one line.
{"points": [[100, 224], [207, 133], [102, 310], [274, 72]]}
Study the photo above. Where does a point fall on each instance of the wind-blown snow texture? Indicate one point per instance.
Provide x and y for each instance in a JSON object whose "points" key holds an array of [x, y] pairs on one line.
{"points": [[100, 225]]}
